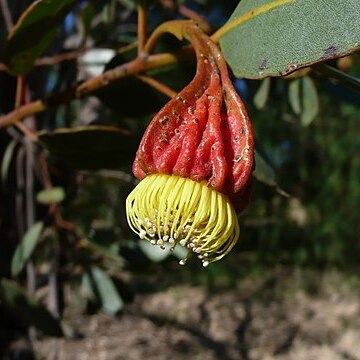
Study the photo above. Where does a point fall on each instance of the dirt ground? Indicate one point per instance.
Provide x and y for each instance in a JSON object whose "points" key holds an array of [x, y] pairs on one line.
{"points": [[297, 316]]}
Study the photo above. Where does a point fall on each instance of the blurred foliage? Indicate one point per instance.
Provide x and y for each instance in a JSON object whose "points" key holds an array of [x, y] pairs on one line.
{"points": [[62, 219]]}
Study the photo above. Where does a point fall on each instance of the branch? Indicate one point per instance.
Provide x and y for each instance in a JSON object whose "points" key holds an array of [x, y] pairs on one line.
{"points": [[337, 74], [161, 87], [53, 60], [193, 15], [6, 15], [86, 88], [142, 26]]}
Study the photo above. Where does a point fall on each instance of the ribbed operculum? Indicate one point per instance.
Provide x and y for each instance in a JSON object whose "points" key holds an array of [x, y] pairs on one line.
{"points": [[204, 133], [195, 161]]}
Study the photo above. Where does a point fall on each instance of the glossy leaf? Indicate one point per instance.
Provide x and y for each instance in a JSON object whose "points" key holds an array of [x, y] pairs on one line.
{"points": [[275, 37], [310, 101], [51, 196], [91, 148], [109, 296], [263, 171], [27, 309], [26, 247], [34, 32], [262, 94]]}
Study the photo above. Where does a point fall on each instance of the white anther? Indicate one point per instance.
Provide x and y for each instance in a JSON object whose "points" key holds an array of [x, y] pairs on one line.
{"points": [[182, 242], [182, 262], [166, 237], [205, 263], [171, 241], [160, 242], [153, 242], [142, 234]]}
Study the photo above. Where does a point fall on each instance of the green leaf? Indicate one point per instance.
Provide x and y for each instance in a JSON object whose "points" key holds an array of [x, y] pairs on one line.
{"points": [[294, 96], [6, 161], [263, 171], [262, 94], [275, 37], [26, 247], [310, 101], [34, 32], [111, 301], [51, 196], [27, 309], [93, 147]]}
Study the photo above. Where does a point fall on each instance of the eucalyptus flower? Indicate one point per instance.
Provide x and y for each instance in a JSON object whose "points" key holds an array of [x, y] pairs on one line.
{"points": [[195, 163]]}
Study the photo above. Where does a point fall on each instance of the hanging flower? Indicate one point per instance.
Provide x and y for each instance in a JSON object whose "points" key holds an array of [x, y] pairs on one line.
{"points": [[195, 163]]}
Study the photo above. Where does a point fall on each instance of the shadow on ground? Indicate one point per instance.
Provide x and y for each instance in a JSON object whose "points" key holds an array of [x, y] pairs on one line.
{"points": [[299, 316]]}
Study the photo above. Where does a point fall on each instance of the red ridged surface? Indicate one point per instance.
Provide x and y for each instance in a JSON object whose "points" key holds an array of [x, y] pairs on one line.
{"points": [[204, 133]]}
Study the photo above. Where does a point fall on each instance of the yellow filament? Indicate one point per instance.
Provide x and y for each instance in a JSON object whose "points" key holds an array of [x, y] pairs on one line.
{"points": [[179, 211]]}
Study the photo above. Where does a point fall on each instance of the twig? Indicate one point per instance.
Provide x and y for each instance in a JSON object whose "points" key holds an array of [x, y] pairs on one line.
{"points": [[22, 112], [54, 60], [133, 67], [337, 74], [6, 15], [63, 224], [20, 91], [44, 170], [141, 27], [27, 132], [193, 15], [157, 85]]}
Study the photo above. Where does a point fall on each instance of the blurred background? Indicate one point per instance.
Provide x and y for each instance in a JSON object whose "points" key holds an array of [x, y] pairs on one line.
{"points": [[75, 281]]}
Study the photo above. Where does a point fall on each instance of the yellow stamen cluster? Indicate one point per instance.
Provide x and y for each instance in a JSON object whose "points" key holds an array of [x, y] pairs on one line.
{"points": [[179, 211]]}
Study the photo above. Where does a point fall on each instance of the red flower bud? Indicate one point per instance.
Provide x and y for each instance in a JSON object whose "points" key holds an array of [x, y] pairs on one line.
{"points": [[195, 161], [204, 133]]}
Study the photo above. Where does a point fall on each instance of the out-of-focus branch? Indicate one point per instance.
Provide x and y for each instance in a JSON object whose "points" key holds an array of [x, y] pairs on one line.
{"points": [[142, 27], [87, 87], [56, 59], [6, 15], [157, 85], [193, 15]]}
